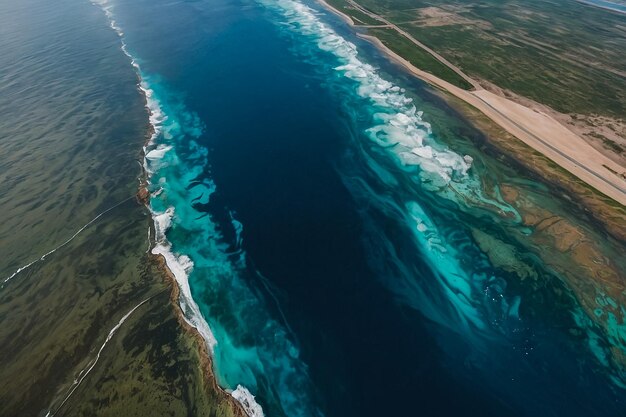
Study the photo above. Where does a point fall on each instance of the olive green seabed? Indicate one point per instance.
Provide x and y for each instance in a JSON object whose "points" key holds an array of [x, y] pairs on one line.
{"points": [[56, 316], [70, 153]]}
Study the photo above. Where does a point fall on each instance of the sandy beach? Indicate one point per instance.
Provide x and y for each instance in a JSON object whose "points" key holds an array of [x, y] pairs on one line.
{"points": [[538, 130]]}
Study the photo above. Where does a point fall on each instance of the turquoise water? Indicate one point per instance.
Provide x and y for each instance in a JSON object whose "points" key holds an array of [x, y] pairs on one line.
{"points": [[322, 213]]}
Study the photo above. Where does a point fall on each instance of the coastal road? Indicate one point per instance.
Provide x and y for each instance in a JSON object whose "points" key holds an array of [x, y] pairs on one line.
{"points": [[441, 59], [536, 129]]}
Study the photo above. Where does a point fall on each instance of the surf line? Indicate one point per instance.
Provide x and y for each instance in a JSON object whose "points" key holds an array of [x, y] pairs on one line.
{"points": [[83, 373], [20, 269]]}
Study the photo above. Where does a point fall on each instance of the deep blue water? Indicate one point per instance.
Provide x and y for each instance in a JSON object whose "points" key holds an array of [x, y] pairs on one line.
{"points": [[327, 230]]}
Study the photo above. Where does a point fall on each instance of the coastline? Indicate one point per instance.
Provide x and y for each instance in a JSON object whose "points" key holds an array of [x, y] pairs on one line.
{"points": [[206, 361], [536, 129], [606, 202], [571, 246], [599, 6], [233, 406]]}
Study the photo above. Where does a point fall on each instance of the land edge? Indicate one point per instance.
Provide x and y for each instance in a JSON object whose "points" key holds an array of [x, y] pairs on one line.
{"points": [[512, 109], [614, 228], [604, 211], [206, 359]]}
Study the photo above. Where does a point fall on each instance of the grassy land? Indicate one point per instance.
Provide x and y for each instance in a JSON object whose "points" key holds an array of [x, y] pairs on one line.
{"points": [[417, 56], [562, 53], [401, 45], [358, 17]]}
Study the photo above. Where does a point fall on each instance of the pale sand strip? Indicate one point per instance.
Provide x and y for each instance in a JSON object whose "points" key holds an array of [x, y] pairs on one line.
{"points": [[537, 130]]}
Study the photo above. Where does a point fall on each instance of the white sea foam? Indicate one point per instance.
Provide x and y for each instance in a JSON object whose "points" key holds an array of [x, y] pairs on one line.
{"points": [[180, 266], [159, 152], [247, 401], [162, 222]]}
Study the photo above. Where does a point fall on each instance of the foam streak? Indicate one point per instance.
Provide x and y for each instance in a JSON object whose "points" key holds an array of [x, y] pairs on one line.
{"points": [[44, 256], [83, 373]]}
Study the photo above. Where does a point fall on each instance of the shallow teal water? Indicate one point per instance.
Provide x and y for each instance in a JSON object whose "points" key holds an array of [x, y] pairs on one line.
{"points": [[621, 8], [323, 229]]}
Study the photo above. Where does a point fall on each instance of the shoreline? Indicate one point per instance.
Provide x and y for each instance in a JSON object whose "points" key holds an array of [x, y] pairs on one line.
{"points": [[568, 246], [158, 260], [536, 129]]}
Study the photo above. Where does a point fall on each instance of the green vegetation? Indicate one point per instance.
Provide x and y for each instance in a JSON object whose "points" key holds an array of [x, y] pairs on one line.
{"points": [[567, 55], [418, 56], [358, 17]]}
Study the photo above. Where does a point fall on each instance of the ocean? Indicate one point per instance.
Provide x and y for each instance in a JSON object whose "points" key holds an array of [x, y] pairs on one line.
{"points": [[346, 242]]}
